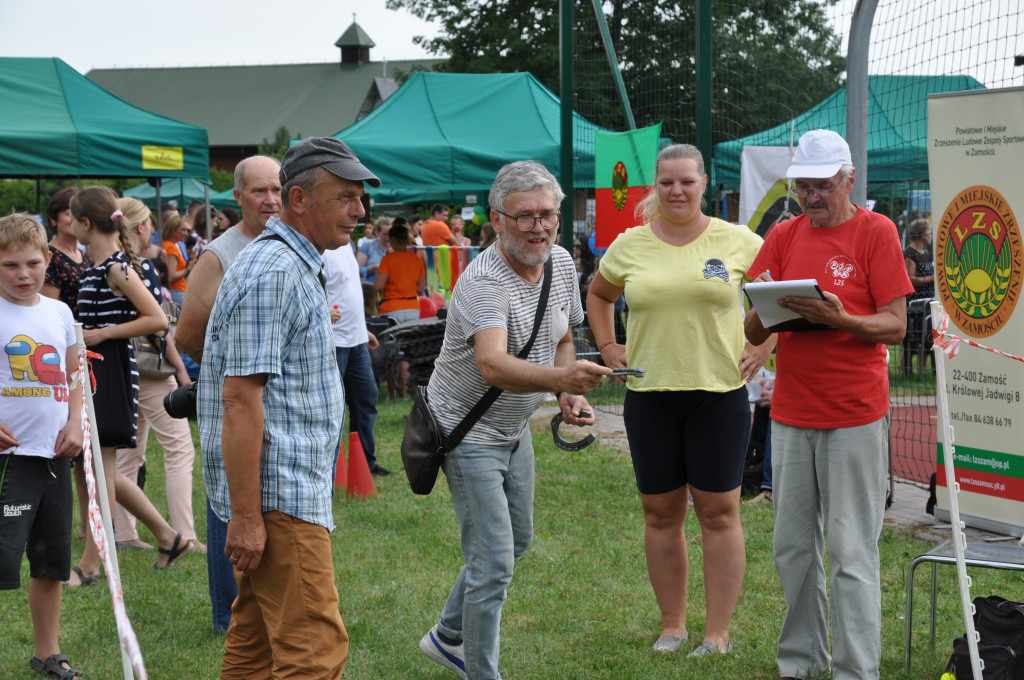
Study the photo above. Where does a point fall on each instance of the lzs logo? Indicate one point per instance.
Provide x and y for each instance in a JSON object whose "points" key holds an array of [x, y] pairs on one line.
{"points": [[978, 261], [840, 269]]}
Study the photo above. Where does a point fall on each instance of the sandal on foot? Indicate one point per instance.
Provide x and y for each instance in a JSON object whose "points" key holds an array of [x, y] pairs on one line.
{"points": [[174, 553], [709, 649], [83, 580], [670, 643], [52, 668]]}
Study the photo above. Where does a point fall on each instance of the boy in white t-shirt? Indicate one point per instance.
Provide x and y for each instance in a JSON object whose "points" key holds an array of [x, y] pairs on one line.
{"points": [[40, 430]]}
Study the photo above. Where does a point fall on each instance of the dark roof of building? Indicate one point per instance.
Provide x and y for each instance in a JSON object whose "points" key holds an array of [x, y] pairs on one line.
{"points": [[354, 36], [245, 105], [381, 89]]}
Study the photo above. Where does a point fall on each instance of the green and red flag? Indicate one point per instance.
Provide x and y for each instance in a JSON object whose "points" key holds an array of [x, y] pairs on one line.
{"points": [[624, 167]]}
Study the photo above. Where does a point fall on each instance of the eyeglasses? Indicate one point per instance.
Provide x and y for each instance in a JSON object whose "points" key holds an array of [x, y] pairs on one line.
{"points": [[548, 221], [804, 192]]}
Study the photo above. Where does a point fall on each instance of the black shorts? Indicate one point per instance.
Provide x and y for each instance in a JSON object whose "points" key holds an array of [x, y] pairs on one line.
{"points": [[687, 437], [35, 518]]}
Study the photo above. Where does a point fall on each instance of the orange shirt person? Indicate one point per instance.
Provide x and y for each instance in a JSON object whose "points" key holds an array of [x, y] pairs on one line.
{"points": [[436, 231], [174, 230], [401, 278]]}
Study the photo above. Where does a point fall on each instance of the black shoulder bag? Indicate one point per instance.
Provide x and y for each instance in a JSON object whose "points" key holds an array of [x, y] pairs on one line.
{"points": [[424, 444]]}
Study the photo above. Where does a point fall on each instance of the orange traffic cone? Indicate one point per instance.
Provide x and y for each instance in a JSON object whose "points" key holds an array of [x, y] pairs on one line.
{"points": [[340, 468], [360, 481]]}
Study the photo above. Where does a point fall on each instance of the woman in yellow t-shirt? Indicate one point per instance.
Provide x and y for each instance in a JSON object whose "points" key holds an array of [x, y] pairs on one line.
{"points": [[688, 418]]}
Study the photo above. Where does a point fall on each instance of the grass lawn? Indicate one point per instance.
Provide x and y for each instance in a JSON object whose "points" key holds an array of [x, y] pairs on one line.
{"points": [[580, 605]]}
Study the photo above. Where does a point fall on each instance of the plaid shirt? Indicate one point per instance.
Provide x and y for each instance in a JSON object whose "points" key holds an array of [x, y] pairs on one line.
{"points": [[271, 316]]}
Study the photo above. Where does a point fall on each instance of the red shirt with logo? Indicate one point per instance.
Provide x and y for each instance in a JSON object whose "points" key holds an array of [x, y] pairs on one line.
{"points": [[830, 378]]}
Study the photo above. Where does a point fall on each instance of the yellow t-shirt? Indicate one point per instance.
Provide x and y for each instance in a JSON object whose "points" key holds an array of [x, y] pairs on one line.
{"points": [[685, 322]]}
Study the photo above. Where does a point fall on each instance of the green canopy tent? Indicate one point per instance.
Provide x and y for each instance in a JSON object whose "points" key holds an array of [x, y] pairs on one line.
{"points": [[897, 128], [54, 122], [443, 136], [181, 190], [225, 199], [184, 191]]}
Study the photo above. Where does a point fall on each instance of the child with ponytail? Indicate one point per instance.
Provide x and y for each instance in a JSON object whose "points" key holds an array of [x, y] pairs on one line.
{"points": [[113, 306]]}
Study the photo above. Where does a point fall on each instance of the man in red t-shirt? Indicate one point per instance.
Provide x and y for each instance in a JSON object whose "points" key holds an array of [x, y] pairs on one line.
{"points": [[831, 412], [435, 230]]}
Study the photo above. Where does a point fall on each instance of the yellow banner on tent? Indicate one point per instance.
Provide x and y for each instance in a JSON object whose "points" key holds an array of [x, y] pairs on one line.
{"points": [[163, 158]]}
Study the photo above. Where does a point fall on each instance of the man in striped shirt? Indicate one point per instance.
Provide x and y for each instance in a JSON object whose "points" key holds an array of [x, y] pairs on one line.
{"points": [[270, 412], [490, 474]]}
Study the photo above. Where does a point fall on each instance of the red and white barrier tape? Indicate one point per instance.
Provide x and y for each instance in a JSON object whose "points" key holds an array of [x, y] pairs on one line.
{"points": [[129, 642], [950, 343]]}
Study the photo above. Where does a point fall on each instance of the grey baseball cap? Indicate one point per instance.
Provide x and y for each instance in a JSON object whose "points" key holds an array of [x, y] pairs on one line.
{"points": [[328, 153]]}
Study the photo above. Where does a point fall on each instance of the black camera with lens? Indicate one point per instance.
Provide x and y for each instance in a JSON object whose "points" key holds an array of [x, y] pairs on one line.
{"points": [[181, 403]]}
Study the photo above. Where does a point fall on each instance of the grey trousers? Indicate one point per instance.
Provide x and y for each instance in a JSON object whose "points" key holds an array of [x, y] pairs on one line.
{"points": [[829, 485]]}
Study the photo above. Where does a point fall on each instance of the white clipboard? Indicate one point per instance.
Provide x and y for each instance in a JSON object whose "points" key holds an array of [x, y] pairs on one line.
{"points": [[764, 297]]}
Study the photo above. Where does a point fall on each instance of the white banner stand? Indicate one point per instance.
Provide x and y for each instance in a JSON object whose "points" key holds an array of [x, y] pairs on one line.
{"points": [[949, 456]]}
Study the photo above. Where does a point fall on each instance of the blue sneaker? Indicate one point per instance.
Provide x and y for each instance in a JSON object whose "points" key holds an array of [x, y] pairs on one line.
{"points": [[449, 656]]}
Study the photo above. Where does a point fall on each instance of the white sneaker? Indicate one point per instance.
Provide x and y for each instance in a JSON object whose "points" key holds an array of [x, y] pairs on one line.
{"points": [[449, 656]]}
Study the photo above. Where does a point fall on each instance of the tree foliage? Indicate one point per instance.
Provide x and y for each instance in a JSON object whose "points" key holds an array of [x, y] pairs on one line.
{"points": [[488, 36], [21, 195], [771, 58], [31, 196], [221, 180], [276, 147]]}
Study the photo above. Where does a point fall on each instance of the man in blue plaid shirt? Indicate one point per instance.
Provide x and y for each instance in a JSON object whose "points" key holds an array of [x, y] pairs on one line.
{"points": [[270, 412]]}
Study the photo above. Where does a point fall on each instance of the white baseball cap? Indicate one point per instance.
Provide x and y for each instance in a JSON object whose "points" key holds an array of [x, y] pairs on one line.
{"points": [[819, 154]]}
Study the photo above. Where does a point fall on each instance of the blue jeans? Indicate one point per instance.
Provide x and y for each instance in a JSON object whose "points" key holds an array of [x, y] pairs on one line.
{"points": [[360, 395], [492, 490], [191, 367], [223, 588]]}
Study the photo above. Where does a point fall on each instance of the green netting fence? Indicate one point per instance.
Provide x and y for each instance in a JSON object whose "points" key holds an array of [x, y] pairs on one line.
{"points": [[772, 61]]}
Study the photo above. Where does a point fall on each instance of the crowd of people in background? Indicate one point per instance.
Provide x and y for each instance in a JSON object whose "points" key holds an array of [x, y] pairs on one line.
{"points": [[114, 265]]}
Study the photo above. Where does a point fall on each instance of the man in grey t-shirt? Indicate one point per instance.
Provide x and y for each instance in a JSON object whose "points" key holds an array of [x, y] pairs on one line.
{"points": [[490, 474]]}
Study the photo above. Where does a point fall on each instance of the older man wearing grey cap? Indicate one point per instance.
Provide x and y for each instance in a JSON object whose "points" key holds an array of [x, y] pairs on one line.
{"points": [[270, 409], [831, 412]]}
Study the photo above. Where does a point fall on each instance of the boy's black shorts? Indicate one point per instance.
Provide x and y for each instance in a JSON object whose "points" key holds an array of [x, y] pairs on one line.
{"points": [[35, 518]]}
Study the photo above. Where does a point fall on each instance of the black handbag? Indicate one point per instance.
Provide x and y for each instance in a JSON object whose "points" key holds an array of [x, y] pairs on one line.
{"points": [[424, 444]]}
